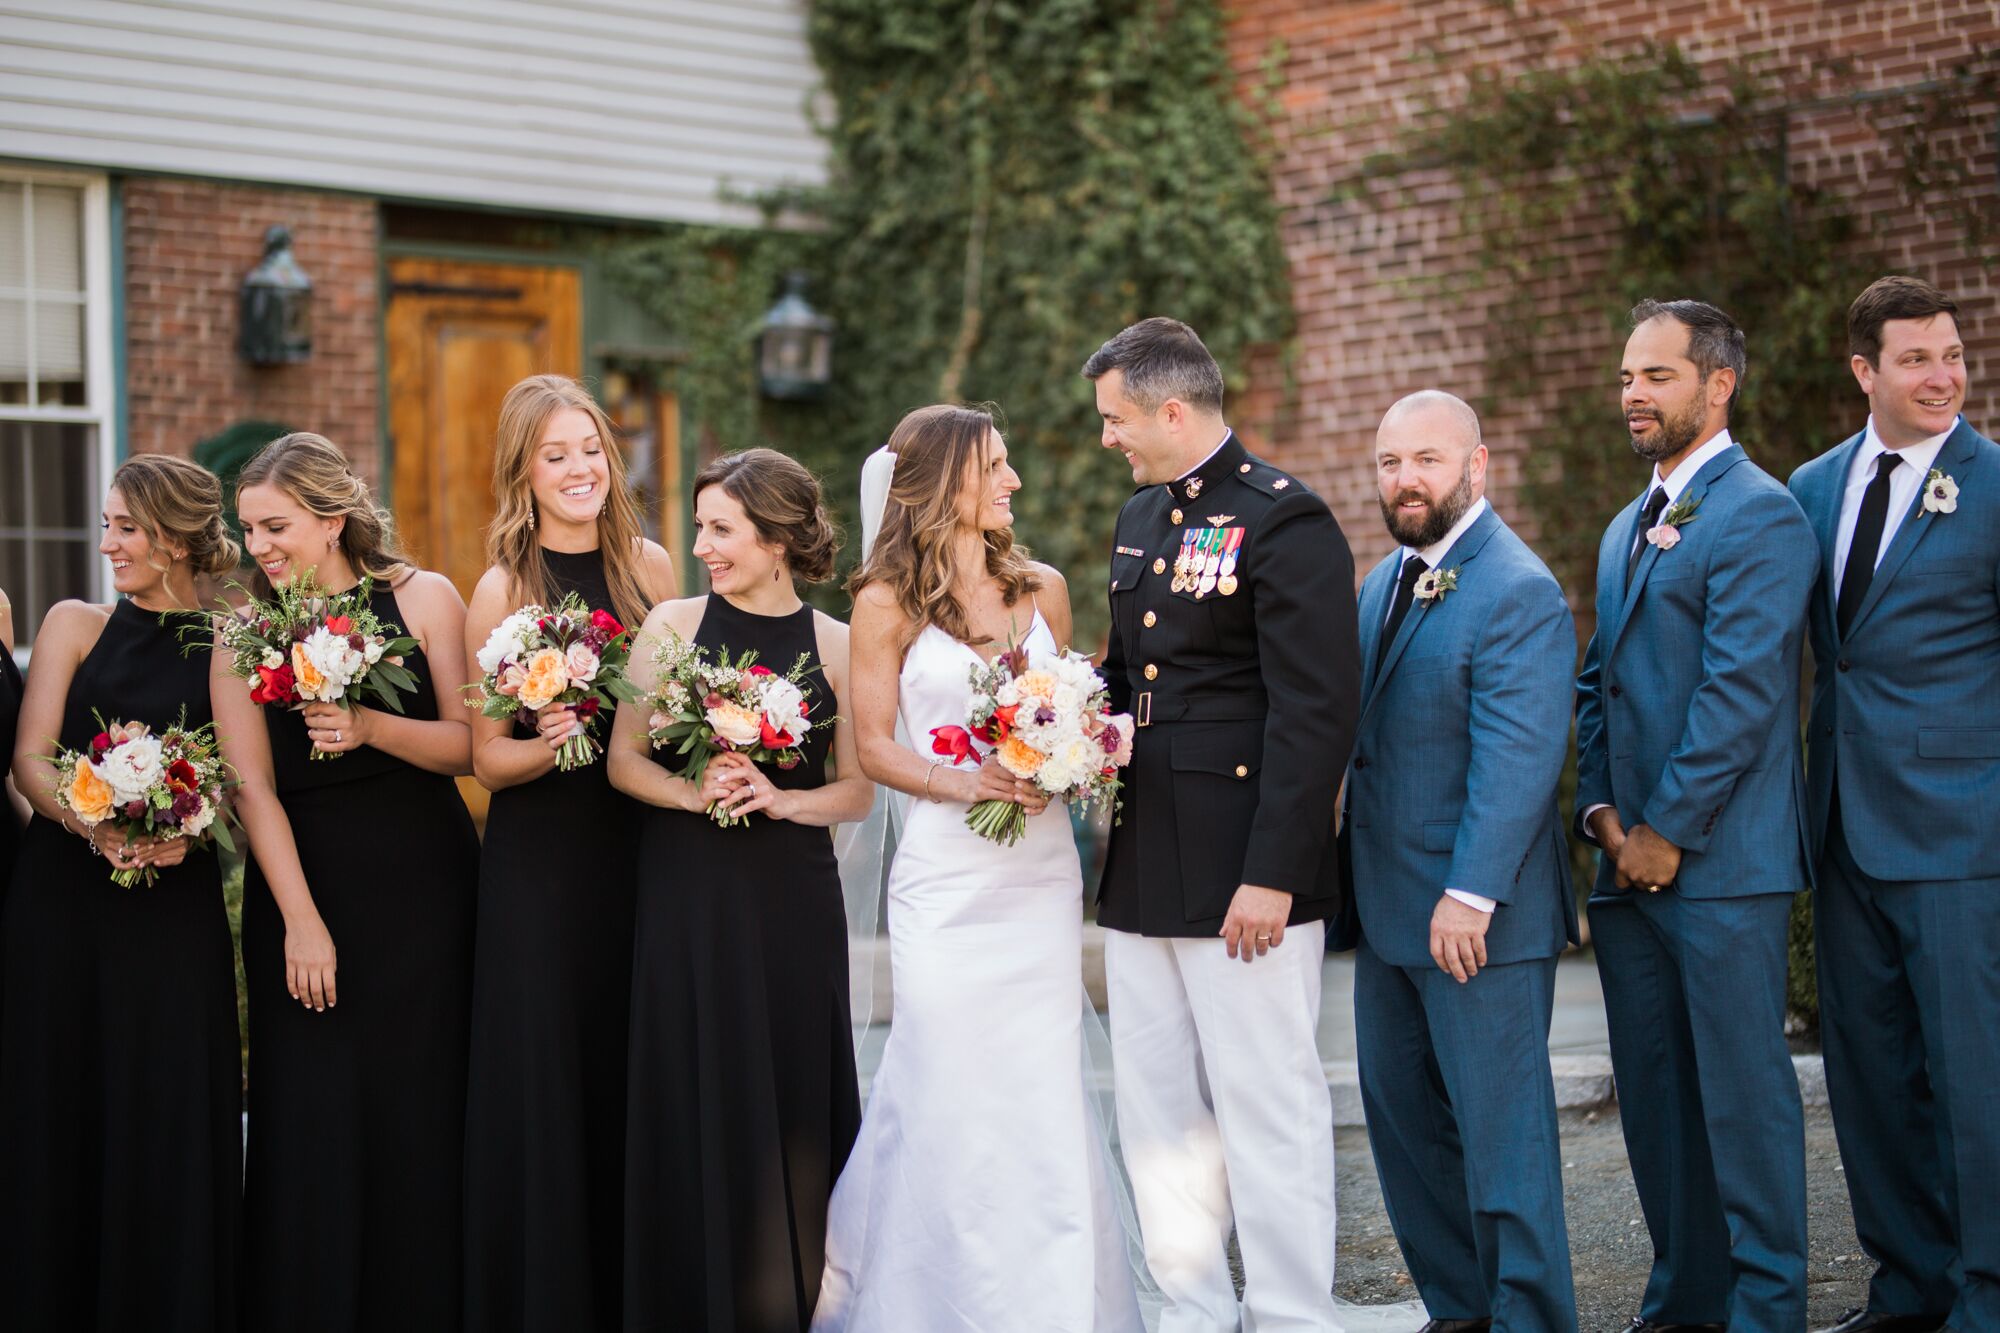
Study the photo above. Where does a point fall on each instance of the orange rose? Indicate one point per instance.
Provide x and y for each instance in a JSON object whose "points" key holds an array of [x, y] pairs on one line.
{"points": [[89, 795], [309, 679], [547, 677], [1020, 758], [1036, 685]]}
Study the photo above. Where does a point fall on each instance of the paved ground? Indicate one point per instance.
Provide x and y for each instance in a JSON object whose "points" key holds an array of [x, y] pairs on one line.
{"points": [[1609, 1251]]}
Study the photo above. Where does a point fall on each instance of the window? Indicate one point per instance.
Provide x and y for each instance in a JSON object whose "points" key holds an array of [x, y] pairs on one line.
{"points": [[55, 388]]}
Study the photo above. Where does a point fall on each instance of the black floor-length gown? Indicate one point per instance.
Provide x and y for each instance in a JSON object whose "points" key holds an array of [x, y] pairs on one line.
{"points": [[743, 1102], [357, 1114], [552, 984], [121, 1085], [10, 714]]}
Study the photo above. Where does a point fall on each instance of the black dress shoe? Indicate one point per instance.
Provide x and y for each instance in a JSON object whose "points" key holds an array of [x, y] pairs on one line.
{"points": [[1862, 1320], [1457, 1326], [1643, 1325]]}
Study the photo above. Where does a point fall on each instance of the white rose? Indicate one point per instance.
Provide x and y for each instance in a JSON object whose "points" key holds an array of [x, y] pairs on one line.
{"points": [[582, 664], [372, 653], [273, 658], [197, 823], [781, 700], [507, 638], [131, 769]]}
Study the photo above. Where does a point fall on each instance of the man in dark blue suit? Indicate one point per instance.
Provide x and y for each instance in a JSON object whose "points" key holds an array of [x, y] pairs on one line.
{"points": [[1461, 882], [1689, 777], [1905, 797]]}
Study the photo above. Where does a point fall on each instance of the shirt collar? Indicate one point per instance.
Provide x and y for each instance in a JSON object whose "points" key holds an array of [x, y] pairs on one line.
{"points": [[1440, 548], [1691, 467], [1920, 456]]}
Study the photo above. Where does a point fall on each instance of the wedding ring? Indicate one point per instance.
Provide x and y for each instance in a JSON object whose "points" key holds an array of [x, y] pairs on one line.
{"points": [[336, 738], [1263, 939]]}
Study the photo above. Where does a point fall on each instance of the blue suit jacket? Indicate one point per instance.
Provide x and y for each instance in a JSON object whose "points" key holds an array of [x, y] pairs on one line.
{"points": [[1687, 711], [1906, 708], [1464, 725]]}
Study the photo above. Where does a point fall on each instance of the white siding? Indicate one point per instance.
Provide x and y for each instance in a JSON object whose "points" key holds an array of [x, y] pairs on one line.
{"points": [[636, 109]]}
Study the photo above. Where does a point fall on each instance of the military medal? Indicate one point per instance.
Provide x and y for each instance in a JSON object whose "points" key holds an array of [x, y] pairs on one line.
{"points": [[1226, 584], [1184, 562], [1212, 547]]}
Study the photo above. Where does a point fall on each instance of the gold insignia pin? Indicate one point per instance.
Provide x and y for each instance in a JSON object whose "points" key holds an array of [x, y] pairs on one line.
{"points": [[1281, 483], [1193, 487], [1217, 520]]}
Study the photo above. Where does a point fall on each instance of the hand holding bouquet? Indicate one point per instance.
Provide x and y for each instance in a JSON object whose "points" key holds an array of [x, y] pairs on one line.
{"points": [[1048, 722], [570, 657], [304, 645], [151, 788], [709, 706]]}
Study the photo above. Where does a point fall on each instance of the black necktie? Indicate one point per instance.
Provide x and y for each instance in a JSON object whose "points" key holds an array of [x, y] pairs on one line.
{"points": [[1867, 543], [1655, 502], [1414, 568]]}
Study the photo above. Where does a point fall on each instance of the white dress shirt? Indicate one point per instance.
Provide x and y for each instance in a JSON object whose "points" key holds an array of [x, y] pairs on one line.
{"points": [[1904, 483], [1431, 555], [1226, 433]]}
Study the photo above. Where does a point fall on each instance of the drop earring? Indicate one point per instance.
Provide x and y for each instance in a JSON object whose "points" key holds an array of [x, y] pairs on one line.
{"points": [[531, 518]]}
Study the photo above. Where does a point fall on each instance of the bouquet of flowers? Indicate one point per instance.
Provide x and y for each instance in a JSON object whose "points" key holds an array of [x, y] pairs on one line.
{"points": [[1050, 722], [158, 786], [304, 645], [708, 705], [566, 657]]}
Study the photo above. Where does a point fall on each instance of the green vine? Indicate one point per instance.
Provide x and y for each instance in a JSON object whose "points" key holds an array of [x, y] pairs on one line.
{"points": [[1010, 185]]}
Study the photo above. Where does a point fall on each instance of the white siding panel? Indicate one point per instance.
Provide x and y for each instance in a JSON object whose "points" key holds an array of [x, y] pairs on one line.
{"points": [[633, 109]]}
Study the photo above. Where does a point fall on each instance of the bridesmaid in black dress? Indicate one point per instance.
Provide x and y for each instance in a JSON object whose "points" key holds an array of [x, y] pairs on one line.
{"points": [[10, 711], [743, 1102], [121, 1087], [357, 936], [552, 966]]}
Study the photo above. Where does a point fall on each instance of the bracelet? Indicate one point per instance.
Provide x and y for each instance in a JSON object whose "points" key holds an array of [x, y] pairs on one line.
{"points": [[935, 765]]}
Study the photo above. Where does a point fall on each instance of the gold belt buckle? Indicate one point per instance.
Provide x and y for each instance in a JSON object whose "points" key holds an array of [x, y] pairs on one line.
{"points": [[1144, 711]]}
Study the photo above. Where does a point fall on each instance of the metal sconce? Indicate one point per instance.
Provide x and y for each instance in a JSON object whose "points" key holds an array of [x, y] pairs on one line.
{"points": [[276, 306], [794, 346]]}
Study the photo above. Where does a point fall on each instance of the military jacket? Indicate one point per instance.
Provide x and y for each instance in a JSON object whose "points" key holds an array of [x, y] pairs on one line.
{"points": [[1233, 645]]}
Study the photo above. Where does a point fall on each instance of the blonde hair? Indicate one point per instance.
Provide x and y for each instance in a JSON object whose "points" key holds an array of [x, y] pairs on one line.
{"points": [[782, 500], [178, 502], [311, 469], [937, 449], [511, 543]]}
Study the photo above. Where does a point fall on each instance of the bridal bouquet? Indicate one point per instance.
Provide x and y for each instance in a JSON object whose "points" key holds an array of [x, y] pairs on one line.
{"points": [[158, 786], [1050, 722], [708, 704], [568, 657], [303, 645]]}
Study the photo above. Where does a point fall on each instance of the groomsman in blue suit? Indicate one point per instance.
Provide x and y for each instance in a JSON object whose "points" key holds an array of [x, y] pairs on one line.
{"points": [[1461, 881], [1689, 778], [1905, 780]]}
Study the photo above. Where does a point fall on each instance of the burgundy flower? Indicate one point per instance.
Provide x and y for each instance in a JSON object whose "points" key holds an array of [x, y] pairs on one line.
{"points": [[357, 642], [186, 805], [135, 810]]}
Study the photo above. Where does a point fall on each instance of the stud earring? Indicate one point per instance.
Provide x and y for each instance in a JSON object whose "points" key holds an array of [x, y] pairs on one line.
{"points": [[330, 540]]}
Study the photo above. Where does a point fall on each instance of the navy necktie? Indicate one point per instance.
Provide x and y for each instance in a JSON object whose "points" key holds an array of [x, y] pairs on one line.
{"points": [[1655, 503], [1414, 568], [1867, 544]]}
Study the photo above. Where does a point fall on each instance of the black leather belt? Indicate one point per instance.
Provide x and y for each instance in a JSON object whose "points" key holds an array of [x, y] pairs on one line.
{"points": [[1151, 707]]}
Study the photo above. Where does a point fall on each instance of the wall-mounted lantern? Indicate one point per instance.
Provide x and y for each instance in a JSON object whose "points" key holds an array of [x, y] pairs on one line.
{"points": [[276, 306], [794, 346]]}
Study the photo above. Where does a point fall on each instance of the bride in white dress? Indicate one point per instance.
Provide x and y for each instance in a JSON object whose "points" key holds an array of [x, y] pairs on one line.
{"points": [[978, 1198]]}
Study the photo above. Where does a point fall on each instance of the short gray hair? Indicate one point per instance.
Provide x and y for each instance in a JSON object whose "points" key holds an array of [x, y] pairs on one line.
{"points": [[1714, 341], [1436, 400], [1162, 358]]}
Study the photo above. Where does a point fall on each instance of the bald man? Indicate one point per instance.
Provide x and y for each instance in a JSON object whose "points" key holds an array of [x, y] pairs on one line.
{"points": [[1461, 881]]}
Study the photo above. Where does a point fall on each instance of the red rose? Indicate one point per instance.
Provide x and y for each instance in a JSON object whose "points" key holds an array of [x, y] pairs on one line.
{"points": [[607, 622], [277, 686], [760, 670], [585, 707], [773, 738], [181, 776], [339, 624], [954, 743], [99, 744]]}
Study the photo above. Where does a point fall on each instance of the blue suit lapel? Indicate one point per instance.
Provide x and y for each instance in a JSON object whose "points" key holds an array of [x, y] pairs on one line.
{"points": [[1825, 518], [1374, 609], [1462, 550], [1650, 554], [1956, 459]]}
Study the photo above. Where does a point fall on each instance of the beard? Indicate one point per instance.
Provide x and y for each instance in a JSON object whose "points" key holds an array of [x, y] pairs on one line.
{"points": [[1674, 434], [1442, 515]]}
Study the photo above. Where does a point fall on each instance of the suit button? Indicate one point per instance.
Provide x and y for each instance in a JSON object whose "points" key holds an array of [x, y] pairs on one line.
{"points": [[1361, 761], [1243, 770], [1175, 516], [1826, 730], [1618, 691], [1152, 672], [1843, 665], [1151, 620], [1159, 566]]}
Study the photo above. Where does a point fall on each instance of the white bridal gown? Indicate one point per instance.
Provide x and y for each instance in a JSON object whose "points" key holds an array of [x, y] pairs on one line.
{"points": [[978, 1198]]}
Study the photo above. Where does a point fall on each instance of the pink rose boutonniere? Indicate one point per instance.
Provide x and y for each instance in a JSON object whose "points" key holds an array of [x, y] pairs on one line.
{"points": [[1667, 534]]}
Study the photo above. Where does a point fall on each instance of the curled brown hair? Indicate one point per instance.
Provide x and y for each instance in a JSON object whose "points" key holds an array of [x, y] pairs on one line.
{"points": [[178, 502], [511, 543], [938, 450], [312, 470], [782, 500]]}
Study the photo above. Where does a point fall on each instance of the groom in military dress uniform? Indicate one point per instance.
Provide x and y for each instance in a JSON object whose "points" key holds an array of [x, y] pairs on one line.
{"points": [[1233, 645]]}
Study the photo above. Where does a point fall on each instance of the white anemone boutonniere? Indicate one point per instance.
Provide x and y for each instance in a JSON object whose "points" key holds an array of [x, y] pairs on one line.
{"points": [[1940, 493], [1667, 535], [1433, 584]]}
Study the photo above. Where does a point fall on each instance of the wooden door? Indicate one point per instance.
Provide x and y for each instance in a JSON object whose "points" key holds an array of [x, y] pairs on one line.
{"points": [[458, 336]]}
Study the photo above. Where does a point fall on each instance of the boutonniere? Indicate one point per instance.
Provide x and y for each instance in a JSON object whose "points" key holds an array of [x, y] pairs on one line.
{"points": [[1433, 584], [1668, 534], [1940, 493]]}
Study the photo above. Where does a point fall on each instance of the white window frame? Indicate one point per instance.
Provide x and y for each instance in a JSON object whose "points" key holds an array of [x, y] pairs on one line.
{"points": [[100, 385]]}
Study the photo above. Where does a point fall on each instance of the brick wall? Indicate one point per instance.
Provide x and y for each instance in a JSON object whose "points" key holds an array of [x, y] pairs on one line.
{"points": [[1349, 70], [187, 246]]}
